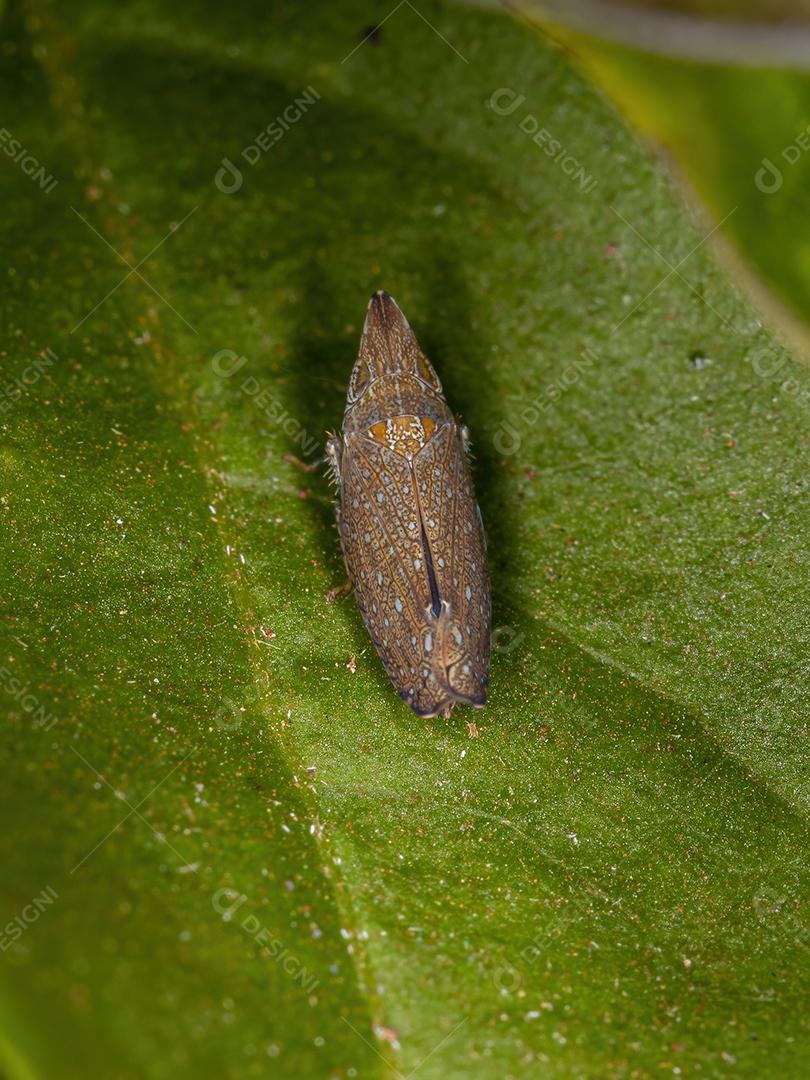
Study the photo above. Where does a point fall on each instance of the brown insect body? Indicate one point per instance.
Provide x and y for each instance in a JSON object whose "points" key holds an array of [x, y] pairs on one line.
{"points": [[409, 525]]}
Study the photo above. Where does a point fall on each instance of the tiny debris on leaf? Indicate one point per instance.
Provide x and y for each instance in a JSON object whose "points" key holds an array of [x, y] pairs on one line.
{"points": [[699, 361], [387, 1034], [372, 34]]}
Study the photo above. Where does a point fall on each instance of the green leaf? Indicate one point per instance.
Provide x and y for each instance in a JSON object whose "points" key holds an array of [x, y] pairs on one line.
{"points": [[739, 133], [226, 853]]}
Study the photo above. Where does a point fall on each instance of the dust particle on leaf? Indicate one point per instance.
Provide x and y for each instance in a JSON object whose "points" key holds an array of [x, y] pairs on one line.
{"points": [[371, 34]]}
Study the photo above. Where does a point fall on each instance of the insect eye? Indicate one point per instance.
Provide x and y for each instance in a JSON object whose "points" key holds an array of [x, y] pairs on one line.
{"points": [[360, 379], [427, 373]]}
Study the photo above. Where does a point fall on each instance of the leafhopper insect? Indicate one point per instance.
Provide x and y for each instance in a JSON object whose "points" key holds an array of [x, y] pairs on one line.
{"points": [[410, 528]]}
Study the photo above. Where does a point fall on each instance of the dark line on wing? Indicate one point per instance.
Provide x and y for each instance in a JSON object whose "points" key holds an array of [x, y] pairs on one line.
{"points": [[435, 596], [433, 585]]}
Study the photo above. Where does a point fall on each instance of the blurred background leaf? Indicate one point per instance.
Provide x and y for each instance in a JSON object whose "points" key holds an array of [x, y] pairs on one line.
{"points": [[723, 91]]}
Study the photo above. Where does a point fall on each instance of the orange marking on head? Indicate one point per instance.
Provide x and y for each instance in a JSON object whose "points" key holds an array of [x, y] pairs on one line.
{"points": [[405, 434]]}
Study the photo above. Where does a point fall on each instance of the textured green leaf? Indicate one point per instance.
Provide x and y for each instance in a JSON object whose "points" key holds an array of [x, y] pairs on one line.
{"points": [[609, 880], [740, 134]]}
